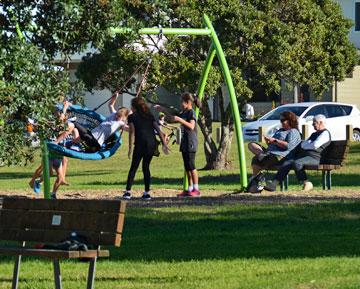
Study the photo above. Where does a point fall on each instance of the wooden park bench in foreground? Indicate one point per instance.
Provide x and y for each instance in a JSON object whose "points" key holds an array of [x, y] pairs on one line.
{"points": [[99, 222]]}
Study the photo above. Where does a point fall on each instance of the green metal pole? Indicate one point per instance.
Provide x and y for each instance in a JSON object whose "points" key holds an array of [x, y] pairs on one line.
{"points": [[165, 31], [201, 88], [233, 101], [44, 149], [46, 169], [205, 74]]}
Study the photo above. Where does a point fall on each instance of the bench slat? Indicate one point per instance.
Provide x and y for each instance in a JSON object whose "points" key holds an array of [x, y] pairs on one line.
{"points": [[109, 206], [73, 221], [56, 236], [54, 254]]}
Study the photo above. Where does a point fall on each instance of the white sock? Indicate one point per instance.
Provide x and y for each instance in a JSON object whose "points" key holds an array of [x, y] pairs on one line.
{"points": [[190, 188], [146, 193], [196, 187]]}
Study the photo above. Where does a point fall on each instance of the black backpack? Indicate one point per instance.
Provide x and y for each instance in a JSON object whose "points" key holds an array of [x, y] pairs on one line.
{"points": [[256, 183]]}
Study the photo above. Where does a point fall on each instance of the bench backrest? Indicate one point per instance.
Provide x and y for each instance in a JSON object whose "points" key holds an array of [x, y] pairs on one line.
{"points": [[52, 221], [335, 153]]}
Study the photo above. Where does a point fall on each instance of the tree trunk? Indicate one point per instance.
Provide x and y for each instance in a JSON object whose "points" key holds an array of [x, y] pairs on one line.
{"points": [[205, 123], [216, 155]]}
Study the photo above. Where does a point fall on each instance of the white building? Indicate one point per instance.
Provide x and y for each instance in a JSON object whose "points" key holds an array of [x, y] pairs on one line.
{"points": [[348, 91], [351, 9]]}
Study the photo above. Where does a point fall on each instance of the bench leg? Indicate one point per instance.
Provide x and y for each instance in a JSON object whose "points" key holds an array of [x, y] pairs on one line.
{"points": [[328, 180], [15, 281], [91, 274], [323, 182], [57, 275], [287, 183]]}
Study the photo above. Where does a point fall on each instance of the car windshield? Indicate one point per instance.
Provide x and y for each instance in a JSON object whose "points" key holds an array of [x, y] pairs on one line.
{"points": [[275, 114]]}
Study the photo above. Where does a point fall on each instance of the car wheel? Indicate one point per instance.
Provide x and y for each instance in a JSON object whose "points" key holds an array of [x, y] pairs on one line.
{"points": [[356, 135]]}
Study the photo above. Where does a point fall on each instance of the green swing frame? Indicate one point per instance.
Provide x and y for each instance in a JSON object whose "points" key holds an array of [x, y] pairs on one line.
{"points": [[214, 50]]}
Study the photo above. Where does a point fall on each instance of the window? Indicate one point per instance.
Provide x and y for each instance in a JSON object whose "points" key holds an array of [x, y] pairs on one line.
{"points": [[347, 109], [334, 111], [319, 109], [357, 16], [275, 114]]}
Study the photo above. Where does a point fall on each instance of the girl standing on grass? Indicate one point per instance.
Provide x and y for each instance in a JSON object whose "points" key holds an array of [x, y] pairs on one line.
{"points": [[142, 144], [189, 143]]}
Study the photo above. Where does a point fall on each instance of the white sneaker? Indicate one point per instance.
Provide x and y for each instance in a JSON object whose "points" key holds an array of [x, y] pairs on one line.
{"points": [[127, 196], [308, 186]]}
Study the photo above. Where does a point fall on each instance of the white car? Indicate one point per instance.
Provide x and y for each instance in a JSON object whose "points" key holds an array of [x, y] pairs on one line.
{"points": [[338, 116]]}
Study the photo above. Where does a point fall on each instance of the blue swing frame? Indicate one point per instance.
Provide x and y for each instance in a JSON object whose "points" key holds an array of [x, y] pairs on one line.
{"points": [[99, 155]]}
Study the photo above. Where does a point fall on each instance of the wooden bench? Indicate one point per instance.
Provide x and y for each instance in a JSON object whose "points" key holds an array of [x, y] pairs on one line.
{"points": [[52, 221], [333, 158]]}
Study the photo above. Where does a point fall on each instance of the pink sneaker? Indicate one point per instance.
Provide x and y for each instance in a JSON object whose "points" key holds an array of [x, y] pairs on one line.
{"points": [[194, 193], [183, 194]]}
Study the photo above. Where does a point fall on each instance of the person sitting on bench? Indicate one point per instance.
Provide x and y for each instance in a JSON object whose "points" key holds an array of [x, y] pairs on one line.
{"points": [[308, 154], [280, 145]]}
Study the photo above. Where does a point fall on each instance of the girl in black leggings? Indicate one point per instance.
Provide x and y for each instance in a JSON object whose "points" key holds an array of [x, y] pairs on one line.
{"points": [[141, 126]]}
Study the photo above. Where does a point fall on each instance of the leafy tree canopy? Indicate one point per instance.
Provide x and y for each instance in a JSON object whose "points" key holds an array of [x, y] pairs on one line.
{"points": [[30, 84], [300, 41], [264, 41]]}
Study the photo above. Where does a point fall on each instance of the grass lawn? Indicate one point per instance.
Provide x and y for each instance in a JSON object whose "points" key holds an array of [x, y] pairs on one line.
{"points": [[243, 245], [232, 246], [167, 172]]}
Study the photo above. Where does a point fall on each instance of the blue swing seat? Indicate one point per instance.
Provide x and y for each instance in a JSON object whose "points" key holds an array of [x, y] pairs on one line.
{"points": [[90, 120]]}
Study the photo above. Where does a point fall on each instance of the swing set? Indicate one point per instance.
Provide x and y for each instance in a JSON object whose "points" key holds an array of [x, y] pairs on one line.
{"points": [[214, 50]]}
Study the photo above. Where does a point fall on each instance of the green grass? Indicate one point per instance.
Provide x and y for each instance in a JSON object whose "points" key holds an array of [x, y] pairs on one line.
{"points": [[233, 246], [220, 246], [167, 172]]}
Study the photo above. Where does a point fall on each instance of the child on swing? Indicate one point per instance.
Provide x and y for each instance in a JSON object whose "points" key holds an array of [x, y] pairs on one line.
{"points": [[189, 143], [96, 137]]}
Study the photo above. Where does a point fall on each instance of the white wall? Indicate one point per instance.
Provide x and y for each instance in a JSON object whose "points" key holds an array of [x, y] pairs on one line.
{"points": [[349, 89], [96, 97], [348, 7]]}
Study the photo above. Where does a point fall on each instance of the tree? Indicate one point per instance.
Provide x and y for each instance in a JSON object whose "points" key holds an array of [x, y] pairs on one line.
{"points": [[30, 85], [264, 41], [28, 89]]}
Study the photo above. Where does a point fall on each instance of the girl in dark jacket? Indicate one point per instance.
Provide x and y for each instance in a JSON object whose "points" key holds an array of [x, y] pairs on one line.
{"points": [[142, 144]]}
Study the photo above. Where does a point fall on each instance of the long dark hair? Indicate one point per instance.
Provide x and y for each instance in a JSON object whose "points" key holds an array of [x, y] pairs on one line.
{"points": [[291, 118], [189, 97], [140, 106]]}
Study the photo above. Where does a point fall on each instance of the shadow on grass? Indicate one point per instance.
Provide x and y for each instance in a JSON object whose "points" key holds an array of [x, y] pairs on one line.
{"points": [[338, 180], [231, 179], [276, 231], [273, 231], [27, 175]]}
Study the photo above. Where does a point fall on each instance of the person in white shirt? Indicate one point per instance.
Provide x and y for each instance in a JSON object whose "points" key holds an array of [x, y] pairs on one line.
{"points": [[96, 137], [248, 110], [309, 154]]}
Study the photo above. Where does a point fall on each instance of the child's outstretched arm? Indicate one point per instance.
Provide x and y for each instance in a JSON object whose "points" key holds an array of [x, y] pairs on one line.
{"points": [[66, 105], [112, 102], [191, 125]]}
